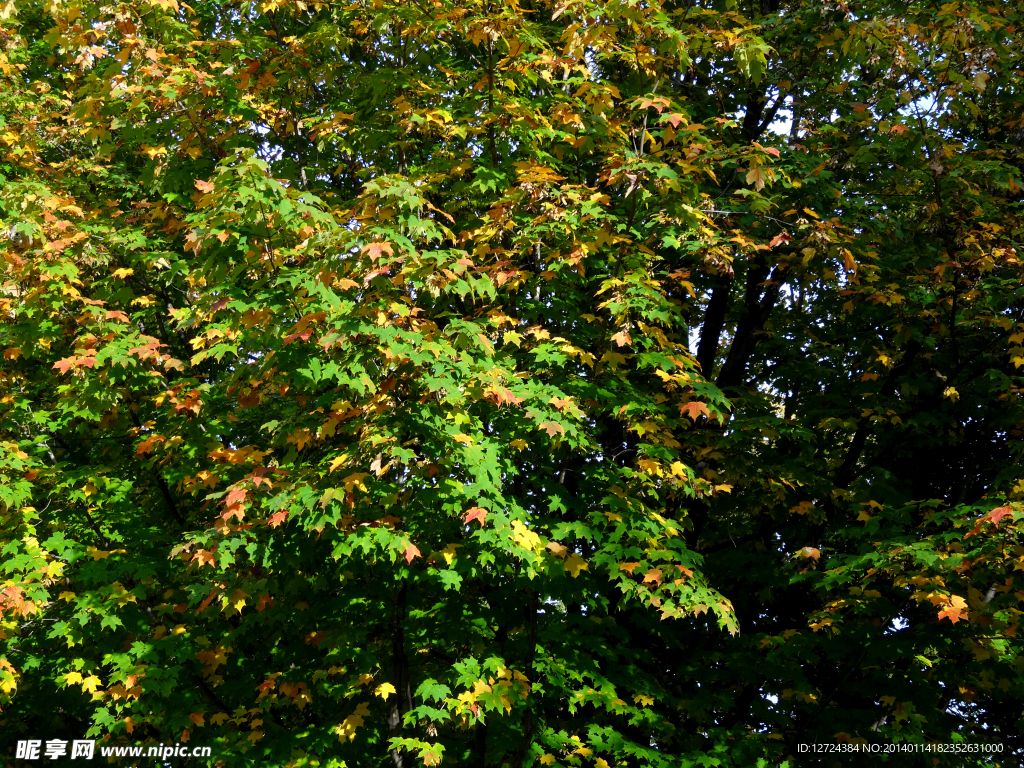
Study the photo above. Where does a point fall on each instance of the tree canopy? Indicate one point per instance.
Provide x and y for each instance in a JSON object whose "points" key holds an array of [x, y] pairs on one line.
{"points": [[593, 383]]}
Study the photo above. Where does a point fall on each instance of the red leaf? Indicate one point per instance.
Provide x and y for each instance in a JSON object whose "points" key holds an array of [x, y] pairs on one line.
{"points": [[411, 552], [304, 335], [63, 365], [203, 186], [278, 518], [653, 576], [236, 496], [772, 151], [993, 517], [780, 239], [209, 599], [476, 513]]}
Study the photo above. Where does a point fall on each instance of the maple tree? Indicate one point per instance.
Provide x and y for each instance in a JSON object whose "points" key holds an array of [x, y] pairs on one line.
{"points": [[504, 384]]}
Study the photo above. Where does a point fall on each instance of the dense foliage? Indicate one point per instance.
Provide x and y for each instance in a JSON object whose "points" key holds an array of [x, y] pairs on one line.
{"points": [[576, 383]]}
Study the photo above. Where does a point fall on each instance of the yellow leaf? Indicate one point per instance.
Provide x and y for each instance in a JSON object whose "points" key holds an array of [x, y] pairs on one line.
{"points": [[347, 730], [463, 439], [547, 759], [755, 177], [574, 564], [90, 684], [558, 550], [384, 690], [121, 274], [524, 536], [98, 554], [337, 461], [448, 553], [642, 700], [72, 677]]}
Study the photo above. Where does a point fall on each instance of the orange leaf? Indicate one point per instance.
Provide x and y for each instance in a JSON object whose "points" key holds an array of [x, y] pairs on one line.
{"points": [[622, 338], [278, 518], [375, 250], [411, 552], [694, 410], [552, 428], [956, 610], [63, 365], [203, 186], [236, 496], [476, 513], [993, 517]]}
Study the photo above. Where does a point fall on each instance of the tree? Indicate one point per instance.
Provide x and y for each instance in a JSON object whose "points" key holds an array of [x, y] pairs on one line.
{"points": [[507, 384]]}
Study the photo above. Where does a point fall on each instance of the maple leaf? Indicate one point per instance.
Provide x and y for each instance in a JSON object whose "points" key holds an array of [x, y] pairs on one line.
{"points": [[384, 690], [653, 576], [411, 552], [622, 338], [304, 335], [376, 249], [558, 550], [235, 496], [994, 517], [234, 510], [552, 428], [956, 610], [574, 564], [475, 513], [66, 363], [204, 557], [504, 396], [755, 177], [278, 518], [203, 186], [694, 410]]}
